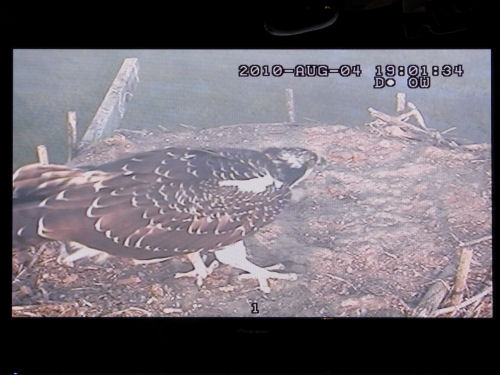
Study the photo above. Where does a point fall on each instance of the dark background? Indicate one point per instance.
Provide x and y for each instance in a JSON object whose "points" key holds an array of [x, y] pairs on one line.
{"points": [[210, 24], [235, 345]]}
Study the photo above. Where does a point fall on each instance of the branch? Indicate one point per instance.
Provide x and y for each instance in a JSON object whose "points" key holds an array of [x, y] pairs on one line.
{"points": [[466, 303]]}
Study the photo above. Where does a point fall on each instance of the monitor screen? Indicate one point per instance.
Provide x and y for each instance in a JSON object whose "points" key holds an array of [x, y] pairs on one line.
{"points": [[252, 183]]}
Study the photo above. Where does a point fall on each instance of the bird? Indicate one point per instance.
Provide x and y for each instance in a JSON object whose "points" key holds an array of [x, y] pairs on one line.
{"points": [[159, 204]]}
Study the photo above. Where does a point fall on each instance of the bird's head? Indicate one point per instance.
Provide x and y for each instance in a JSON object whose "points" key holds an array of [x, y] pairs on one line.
{"points": [[293, 164]]}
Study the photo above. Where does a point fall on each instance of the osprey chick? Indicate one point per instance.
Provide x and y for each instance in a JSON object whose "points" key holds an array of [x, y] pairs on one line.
{"points": [[159, 204]]}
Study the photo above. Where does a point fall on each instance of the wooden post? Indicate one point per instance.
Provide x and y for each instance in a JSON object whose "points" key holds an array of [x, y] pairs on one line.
{"points": [[112, 108], [400, 102], [461, 277], [290, 105], [43, 156], [435, 294], [71, 122], [418, 116]]}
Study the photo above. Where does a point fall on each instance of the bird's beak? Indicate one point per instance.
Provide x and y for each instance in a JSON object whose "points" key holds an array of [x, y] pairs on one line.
{"points": [[321, 162]]}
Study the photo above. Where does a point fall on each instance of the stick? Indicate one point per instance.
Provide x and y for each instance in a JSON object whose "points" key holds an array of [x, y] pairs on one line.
{"points": [[418, 116], [432, 133], [311, 119], [448, 130], [466, 303], [341, 279], [187, 126], [131, 308], [394, 120], [475, 242], [436, 293], [405, 116], [478, 147]]}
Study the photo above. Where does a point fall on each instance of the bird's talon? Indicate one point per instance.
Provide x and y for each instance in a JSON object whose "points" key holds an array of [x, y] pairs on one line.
{"points": [[192, 273], [277, 266], [265, 288], [263, 279], [61, 259], [212, 266], [200, 272], [199, 281]]}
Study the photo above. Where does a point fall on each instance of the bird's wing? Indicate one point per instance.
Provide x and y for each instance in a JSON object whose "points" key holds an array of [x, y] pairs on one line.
{"points": [[155, 204]]}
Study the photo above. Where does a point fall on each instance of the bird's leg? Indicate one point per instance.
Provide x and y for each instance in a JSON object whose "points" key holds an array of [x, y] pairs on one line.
{"points": [[81, 252], [63, 253], [235, 255], [200, 271]]}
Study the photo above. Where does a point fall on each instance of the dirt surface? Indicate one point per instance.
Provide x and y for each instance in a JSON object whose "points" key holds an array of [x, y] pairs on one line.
{"points": [[369, 233]]}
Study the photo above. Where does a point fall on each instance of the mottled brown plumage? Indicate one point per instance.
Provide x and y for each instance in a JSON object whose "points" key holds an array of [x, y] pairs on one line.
{"points": [[156, 204]]}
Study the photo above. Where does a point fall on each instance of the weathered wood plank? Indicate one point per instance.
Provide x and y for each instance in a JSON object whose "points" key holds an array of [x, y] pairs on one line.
{"points": [[290, 105], [43, 155], [112, 108], [72, 134]]}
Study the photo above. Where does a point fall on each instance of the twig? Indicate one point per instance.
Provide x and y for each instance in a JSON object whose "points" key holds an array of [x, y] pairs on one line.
{"points": [[405, 116], [45, 294], [394, 120], [448, 130], [474, 242], [131, 308], [187, 126], [475, 309], [36, 256], [22, 270], [341, 279], [26, 307], [86, 303], [466, 303], [389, 254], [478, 147], [311, 119], [171, 310], [418, 116], [401, 122]]}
